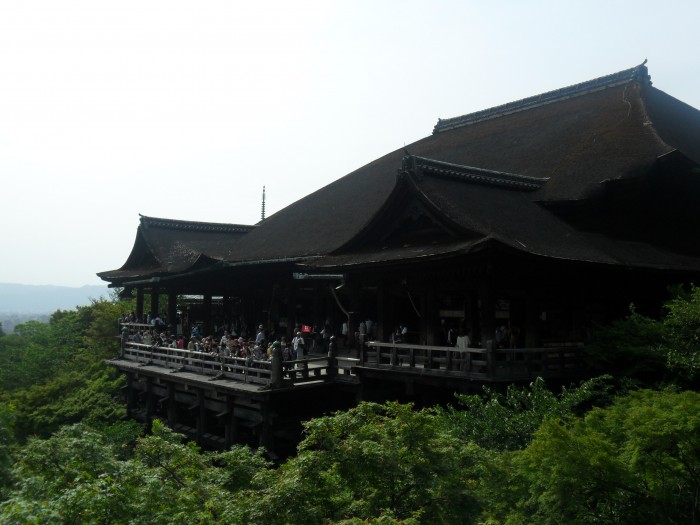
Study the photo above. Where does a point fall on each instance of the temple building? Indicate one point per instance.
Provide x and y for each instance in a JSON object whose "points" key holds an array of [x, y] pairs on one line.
{"points": [[543, 216]]}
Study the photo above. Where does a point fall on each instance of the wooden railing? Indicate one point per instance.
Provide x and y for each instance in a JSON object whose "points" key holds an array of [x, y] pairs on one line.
{"points": [[481, 364], [245, 370], [487, 364]]}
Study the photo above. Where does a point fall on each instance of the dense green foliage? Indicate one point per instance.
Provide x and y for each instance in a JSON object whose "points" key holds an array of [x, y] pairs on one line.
{"points": [[54, 374], [584, 455], [374, 460], [681, 344], [508, 421], [634, 462]]}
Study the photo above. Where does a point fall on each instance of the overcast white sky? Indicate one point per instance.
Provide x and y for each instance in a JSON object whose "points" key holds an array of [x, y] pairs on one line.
{"points": [[186, 109]]}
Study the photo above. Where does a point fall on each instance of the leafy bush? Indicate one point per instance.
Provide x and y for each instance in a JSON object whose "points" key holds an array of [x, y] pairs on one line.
{"points": [[637, 461], [508, 421]]}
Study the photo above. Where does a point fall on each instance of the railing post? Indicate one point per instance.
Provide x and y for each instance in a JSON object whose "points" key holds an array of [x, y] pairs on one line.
{"points": [[332, 358], [248, 365], [448, 360], [491, 358], [276, 366], [125, 338], [394, 360], [361, 354]]}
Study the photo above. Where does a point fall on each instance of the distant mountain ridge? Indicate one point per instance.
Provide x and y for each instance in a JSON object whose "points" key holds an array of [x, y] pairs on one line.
{"points": [[46, 299]]}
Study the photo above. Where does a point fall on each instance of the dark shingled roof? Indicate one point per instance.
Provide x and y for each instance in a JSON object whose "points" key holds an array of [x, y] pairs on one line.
{"points": [[638, 73], [166, 246], [497, 174], [488, 213], [575, 142]]}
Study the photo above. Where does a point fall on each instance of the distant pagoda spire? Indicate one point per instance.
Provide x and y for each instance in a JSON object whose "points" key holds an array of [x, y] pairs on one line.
{"points": [[262, 213]]}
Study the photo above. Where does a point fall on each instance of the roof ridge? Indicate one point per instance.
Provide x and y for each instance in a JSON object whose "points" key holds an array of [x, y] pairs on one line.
{"points": [[638, 73], [443, 169], [175, 224]]}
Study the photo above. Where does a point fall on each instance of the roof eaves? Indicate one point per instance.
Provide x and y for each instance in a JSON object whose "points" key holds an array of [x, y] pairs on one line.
{"points": [[281, 260]]}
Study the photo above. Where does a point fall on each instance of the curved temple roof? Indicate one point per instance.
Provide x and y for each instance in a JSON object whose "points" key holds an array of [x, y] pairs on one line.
{"points": [[494, 175], [167, 246]]}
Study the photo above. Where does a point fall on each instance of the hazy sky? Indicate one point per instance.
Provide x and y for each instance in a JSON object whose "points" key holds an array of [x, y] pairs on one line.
{"points": [[186, 109]]}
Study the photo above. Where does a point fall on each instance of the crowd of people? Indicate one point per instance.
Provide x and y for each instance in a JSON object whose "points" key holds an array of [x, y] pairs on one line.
{"points": [[159, 333], [305, 339]]}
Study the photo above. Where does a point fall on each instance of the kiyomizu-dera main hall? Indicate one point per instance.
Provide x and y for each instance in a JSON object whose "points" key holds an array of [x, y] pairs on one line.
{"points": [[536, 219]]}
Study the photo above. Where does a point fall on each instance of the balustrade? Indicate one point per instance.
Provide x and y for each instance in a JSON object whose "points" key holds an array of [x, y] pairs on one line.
{"points": [[484, 364]]}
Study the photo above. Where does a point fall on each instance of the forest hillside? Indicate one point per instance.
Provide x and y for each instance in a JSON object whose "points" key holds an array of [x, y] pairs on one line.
{"points": [[621, 448]]}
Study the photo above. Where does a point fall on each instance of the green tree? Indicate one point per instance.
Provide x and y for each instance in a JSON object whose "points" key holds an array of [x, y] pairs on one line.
{"points": [[628, 349], [508, 421], [7, 444], [649, 352], [78, 476], [55, 374], [374, 463], [682, 337], [637, 461]]}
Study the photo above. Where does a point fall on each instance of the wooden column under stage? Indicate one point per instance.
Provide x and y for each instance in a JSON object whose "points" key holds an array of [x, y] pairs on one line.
{"points": [[201, 415], [171, 406], [230, 423]]}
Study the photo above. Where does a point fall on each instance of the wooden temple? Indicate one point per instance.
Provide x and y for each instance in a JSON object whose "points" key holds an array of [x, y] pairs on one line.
{"points": [[538, 218]]}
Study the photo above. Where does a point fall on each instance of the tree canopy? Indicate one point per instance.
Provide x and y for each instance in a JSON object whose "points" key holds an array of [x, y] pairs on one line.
{"points": [[617, 449]]}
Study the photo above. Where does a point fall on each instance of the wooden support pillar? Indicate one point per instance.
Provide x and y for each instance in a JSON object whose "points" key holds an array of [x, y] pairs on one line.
{"points": [[201, 416], [207, 328], [150, 400], [139, 304], [359, 393], [172, 311], [385, 315], [171, 407], [130, 392], [154, 301], [266, 439], [471, 315], [353, 318], [491, 358], [227, 310], [333, 358], [231, 423], [577, 315], [487, 296], [318, 313], [430, 329], [292, 314], [276, 366], [532, 320]]}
